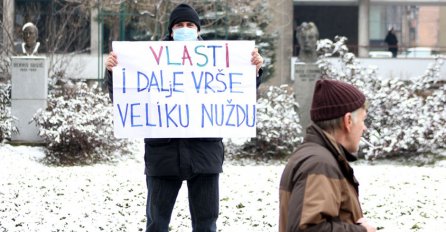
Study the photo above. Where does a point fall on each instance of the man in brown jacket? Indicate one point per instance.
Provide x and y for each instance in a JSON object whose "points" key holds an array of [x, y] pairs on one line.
{"points": [[318, 190]]}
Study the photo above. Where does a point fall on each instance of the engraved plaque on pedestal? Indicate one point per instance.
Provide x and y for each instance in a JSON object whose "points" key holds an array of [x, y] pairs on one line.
{"points": [[28, 95], [305, 77]]}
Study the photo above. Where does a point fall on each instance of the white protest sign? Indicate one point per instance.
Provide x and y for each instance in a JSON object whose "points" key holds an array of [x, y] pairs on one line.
{"points": [[172, 89]]}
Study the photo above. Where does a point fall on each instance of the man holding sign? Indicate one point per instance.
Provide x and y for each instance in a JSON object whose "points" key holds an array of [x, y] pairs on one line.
{"points": [[182, 98]]}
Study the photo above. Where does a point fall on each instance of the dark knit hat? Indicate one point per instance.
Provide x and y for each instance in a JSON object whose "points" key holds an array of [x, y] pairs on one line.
{"points": [[183, 12], [333, 99]]}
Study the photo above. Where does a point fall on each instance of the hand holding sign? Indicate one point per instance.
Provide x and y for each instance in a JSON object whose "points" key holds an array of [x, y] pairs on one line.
{"points": [[111, 61], [256, 59]]}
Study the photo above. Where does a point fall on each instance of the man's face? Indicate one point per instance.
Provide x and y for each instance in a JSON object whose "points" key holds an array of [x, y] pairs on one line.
{"points": [[308, 40], [29, 35], [184, 24], [356, 130]]}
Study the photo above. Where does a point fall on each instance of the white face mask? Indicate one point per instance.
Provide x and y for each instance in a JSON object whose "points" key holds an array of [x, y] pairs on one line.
{"points": [[185, 34]]}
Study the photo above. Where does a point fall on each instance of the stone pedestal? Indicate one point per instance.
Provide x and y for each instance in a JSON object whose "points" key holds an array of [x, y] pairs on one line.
{"points": [[28, 94], [305, 77]]}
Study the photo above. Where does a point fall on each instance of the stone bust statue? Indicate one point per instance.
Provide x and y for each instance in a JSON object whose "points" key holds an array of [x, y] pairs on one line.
{"points": [[30, 46], [307, 35]]}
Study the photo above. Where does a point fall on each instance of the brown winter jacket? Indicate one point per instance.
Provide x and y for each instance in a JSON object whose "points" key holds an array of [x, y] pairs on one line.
{"points": [[318, 190]]}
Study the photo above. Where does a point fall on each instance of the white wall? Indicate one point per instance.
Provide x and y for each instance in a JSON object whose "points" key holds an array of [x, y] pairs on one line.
{"points": [[400, 68], [80, 66]]}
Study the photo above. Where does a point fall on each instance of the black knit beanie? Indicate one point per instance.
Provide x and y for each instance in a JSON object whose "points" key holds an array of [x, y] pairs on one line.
{"points": [[183, 12], [333, 99]]}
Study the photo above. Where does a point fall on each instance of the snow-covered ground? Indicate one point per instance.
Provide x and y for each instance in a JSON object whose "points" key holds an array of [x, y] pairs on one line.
{"points": [[111, 197]]}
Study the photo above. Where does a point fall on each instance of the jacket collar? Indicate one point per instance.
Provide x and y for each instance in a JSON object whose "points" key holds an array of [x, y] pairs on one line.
{"points": [[316, 135]]}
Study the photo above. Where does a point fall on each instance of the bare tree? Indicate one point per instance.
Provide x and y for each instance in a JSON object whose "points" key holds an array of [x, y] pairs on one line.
{"points": [[64, 24], [230, 19], [149, 17], [66, 33], [64, 28], [6, 45]]}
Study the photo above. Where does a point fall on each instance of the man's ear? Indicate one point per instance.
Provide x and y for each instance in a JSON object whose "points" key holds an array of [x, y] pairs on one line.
{"points": [[347, 122]]}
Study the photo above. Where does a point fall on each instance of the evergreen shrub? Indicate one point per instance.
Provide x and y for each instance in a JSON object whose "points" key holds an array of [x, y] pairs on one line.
{"points": [[77, 126], [278, 128], [6, 127], [405, 117]]}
